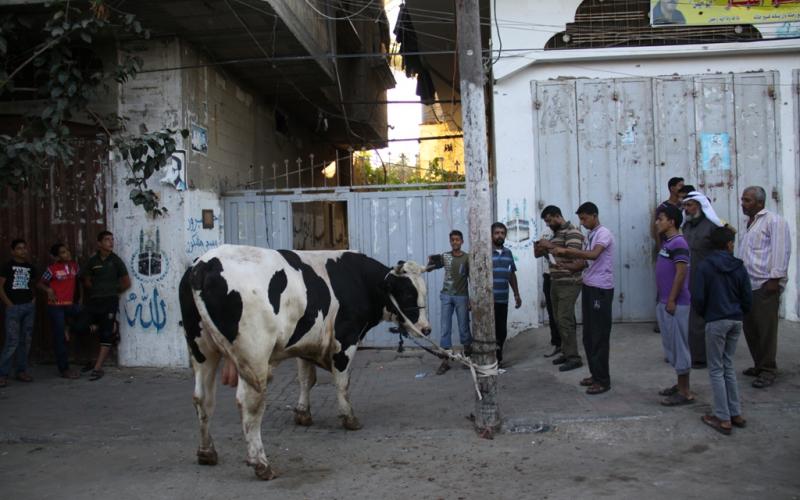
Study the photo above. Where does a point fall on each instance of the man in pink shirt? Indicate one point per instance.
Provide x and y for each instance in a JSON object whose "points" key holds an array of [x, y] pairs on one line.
{"points": [[597, 295]]}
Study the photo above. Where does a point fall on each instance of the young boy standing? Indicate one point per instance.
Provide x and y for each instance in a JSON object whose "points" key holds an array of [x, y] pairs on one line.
{"points": [[58, 282], [722, 294], [672, 310], [454, 295], [16, 292]]}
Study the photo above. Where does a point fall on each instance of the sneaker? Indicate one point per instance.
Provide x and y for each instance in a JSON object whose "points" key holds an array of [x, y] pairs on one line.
{"points": [[443, 368], [560, 360]]}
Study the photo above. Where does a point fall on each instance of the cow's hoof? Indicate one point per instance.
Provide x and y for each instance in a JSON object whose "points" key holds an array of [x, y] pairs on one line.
{"points": [[303, 418], [207, 457], [265, 472], [351, 423]]}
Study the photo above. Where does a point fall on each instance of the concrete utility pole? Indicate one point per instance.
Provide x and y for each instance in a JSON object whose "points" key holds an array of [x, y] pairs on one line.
{"points": [[473, 115]]}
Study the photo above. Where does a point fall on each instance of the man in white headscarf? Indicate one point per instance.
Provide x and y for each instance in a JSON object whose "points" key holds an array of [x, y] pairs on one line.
{"points": [[699, 220]]}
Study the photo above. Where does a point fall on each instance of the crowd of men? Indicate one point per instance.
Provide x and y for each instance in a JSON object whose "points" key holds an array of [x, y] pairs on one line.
{"points": [[709, 290], [103, 279]]}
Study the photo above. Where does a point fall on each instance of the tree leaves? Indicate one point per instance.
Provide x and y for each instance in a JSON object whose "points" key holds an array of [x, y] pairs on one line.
{"points": [[69, 74]]}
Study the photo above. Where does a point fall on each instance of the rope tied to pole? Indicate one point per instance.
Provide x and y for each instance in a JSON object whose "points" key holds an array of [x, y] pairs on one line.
{"points": [[482, 371]]}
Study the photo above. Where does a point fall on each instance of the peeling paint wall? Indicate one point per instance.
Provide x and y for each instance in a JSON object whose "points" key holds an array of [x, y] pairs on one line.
{"points": [[771, 134]]}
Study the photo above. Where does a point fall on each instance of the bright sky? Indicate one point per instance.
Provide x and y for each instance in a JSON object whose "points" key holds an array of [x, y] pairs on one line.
{"points": [[404, 119]]}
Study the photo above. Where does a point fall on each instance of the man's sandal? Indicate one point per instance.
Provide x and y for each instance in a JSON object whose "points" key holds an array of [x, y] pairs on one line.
{"points": [[716, 424], [669, 391], [587, 382], [739, 422], [96, 375]]}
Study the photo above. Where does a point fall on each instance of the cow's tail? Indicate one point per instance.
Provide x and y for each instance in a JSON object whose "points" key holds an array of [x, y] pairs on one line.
{"points": [[191, 318]]}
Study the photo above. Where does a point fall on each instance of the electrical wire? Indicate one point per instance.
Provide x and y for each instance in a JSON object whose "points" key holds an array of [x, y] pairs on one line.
{"points": [[337, 18]]}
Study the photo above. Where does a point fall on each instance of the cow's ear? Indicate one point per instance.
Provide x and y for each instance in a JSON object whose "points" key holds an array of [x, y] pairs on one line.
{"points": [[399, 267]]}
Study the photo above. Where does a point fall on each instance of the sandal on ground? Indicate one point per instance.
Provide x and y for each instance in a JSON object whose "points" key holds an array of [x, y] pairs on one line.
{"points": [[677, 399], [24, 377], [96, 375], [587, 382], [739, 422], [597, 389], [89, 366], [762, 382], [751, 372], [669, 391], [716, 424], [70, 374]]}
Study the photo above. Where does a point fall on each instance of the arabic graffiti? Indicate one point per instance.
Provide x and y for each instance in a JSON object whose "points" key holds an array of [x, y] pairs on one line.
{"points": [[195, 244], [148, 309]]}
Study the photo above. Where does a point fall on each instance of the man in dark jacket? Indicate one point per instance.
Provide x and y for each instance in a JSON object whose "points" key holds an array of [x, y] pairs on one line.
{"points": [[721, 293], [699, 220]]}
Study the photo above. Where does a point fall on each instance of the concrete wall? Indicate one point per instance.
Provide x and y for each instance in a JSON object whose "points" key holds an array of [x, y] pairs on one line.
{"points": [[513, 115], [240, 132]]}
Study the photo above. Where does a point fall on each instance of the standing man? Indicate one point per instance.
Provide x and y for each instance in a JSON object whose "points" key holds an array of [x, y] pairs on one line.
{"points": [[555, 336], [104, 278], [672, 310], [675, 184], [504, 274], [454, 295], [765, 248], [699, 222], [16, 292], [597, 296], [565, 278]]}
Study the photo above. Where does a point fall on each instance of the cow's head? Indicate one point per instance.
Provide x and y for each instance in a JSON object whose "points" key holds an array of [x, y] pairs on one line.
{"points": [[406, 284]]}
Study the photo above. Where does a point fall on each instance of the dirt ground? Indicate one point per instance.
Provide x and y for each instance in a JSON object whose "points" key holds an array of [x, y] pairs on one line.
{"points": [[133, 434]]}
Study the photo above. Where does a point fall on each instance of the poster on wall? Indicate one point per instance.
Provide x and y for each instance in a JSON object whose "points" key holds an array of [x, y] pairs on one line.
{"points": [[715, 151], [199, 139], [175, 171], [722, 12]]}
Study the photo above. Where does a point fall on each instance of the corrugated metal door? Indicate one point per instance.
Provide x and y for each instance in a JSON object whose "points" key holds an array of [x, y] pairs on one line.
{"points": [[616, 142], [386, 225]]}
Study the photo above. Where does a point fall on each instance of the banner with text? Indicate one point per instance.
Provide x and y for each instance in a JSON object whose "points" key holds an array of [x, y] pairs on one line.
{"points": [[722, 12]]}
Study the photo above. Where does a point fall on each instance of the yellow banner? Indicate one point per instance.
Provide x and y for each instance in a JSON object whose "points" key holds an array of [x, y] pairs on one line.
{"points": [[720, 12]]}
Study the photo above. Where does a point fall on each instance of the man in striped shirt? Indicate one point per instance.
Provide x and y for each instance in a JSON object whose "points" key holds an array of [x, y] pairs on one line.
{"points": [[503, 275], [565, 277], [765, 247]]}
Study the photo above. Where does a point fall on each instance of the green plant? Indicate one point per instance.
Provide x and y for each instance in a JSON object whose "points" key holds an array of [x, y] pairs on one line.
{"points": [[66, 74]]}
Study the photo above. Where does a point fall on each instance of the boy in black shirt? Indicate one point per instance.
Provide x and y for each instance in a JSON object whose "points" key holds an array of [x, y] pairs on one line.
{"points": [[16, 292]]}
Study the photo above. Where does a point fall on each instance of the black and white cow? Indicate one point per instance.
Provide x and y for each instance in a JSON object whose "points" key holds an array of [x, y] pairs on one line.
{"points": [[257, 307]]}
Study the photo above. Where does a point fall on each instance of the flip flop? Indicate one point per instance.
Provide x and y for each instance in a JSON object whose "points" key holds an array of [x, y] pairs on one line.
{"points": [[677, 399], [96, 375], [751, 372], [669, 391], [716, 424], [587, 382], [763, 382], [739, 422], [597, 389]]}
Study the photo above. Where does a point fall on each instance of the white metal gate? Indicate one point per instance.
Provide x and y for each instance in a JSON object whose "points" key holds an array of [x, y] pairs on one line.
{"points": [[616, 142], [386, 225]]}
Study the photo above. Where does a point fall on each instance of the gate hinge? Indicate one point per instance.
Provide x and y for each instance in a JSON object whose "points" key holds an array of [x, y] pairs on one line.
{"points": [[537, 104], [621, 297], [618, 196], [771, 92], [775, 195], [615, 96]]}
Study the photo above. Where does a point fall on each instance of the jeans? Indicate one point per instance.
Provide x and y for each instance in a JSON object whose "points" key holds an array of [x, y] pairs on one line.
{"points": [[721, 337], [459, 304], [596, 305], [58, 316], [19, 327]]}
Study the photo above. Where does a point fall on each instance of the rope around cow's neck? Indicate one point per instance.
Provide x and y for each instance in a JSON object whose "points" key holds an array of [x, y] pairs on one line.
{"points": [[476, 370]]}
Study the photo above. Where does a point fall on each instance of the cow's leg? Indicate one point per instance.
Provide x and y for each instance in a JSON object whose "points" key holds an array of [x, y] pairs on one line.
{"points": [[307, 377], [251, 403], [204, 398], [342, 362]]}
